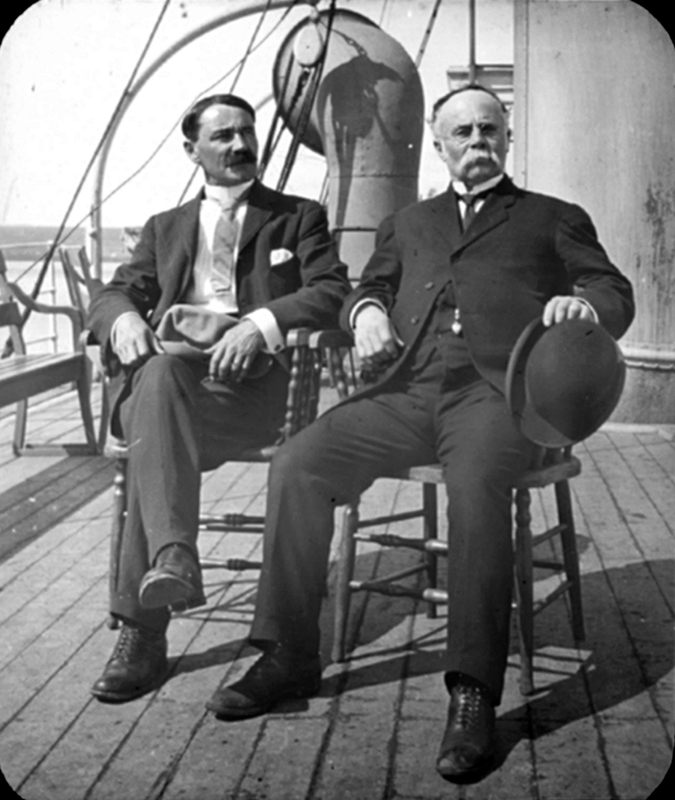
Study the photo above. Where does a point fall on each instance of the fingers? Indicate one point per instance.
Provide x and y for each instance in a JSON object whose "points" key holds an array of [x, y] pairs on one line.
{"points": [[232, 366], [134, 350], [377, 342], [561, 308], [233, 356]]}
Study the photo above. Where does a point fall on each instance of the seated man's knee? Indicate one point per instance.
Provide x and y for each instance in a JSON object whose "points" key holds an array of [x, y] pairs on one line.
{"points": [[163, 372]]}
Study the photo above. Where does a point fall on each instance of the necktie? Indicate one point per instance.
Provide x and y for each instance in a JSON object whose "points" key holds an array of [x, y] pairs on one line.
{"points": [[470, 201], [224, 244]]}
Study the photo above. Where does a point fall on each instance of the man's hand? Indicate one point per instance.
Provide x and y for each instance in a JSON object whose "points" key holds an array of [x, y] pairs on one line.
{"points": [[377, 343], [565, 307], [135, 340], [233, 355]]}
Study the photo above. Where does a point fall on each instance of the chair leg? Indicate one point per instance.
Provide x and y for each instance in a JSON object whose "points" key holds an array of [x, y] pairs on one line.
{"points": [[430, 501], [119, 511], [570, 557], [20, 426], [105, 416], [84, 394], [345, 572], [524, 589]]}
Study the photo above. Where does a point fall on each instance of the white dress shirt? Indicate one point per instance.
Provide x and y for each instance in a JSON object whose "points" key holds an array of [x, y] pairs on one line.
{"points": [[201, 292]]}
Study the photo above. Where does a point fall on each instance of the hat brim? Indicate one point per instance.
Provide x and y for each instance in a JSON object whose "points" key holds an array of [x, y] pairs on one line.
{"points": [[526, 419], [522, 406]]}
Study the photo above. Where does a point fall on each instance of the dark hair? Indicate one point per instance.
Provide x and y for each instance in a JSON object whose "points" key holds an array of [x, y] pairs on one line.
{"points": [[191, 121], [467, 88]]}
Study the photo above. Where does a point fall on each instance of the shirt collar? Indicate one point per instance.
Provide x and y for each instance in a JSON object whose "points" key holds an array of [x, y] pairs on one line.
{"points": [[226, 195], [461, 189]]}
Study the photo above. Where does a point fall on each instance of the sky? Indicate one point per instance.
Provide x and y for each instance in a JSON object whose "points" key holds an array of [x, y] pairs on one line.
{"points": [[65, 63]]}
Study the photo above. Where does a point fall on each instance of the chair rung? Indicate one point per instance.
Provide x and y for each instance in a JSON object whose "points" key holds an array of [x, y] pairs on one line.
{"points": [[437, 596], [237, 523], [237, 564], [549, 534], [544, 564], [539, 605], [404, 515], [392, 540], [394, 576], [221, 526]]}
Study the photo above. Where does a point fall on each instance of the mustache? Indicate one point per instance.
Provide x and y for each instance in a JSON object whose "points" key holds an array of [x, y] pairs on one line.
{"points": [[242, 158]]}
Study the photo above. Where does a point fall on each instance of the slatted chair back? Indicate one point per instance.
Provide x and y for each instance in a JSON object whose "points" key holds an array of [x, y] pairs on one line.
{"points": [[79, 278]]}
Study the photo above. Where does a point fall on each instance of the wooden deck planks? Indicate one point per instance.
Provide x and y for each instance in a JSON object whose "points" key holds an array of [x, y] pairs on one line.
{"points": [[373, 732]]}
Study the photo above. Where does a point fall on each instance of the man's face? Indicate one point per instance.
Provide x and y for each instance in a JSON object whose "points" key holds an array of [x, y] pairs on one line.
{"points": [[471, 136], [227, 147]]}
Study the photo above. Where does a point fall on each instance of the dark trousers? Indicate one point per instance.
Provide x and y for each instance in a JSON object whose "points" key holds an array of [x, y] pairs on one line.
{"points": [[451, 416], [178, 425]]}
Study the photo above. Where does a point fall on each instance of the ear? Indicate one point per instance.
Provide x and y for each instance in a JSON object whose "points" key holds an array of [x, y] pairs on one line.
{"points": [[192, 154], [438, 146]]}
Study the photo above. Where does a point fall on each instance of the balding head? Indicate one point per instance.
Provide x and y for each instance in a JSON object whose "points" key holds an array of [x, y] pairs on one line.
{"points": [[471, 134]]}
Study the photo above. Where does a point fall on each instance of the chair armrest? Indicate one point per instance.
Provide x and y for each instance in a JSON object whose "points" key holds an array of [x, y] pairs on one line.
{"points": [[72, 313], [331, 338]]}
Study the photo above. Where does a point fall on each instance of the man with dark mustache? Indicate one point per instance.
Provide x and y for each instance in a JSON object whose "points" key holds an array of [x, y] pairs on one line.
{"points": [[193, 331]]}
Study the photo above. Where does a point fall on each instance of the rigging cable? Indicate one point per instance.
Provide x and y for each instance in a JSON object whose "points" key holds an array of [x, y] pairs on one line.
{"points": [[427, 33], [59, 238], [240, 68], [307, 105]]}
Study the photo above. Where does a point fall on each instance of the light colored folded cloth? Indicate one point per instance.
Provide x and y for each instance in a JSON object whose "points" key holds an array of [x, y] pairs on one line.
{"points": [[189, 331]]}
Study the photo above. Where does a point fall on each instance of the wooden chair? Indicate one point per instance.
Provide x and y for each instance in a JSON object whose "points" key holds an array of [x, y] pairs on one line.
{"points": [[24, 375], [80, 281], [81, 285], [310, 351], [551, 468]]}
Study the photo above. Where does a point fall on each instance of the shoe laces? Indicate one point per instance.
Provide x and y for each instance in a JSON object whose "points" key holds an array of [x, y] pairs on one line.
{"points": [[133, 643], [469, 700]]}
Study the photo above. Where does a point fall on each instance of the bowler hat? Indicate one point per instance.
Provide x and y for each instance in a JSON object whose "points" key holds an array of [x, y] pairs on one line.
{"points": [[563, 381]]}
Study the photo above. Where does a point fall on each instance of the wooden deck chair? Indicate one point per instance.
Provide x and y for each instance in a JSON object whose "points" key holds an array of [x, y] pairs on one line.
{"points": [[24, 375], [310, 351], [550, 468]]}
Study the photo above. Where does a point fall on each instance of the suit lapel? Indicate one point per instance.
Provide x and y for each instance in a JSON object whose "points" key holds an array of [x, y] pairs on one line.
{"points": [[445, 218], [494, 212], [258, 212], [188, 225]]}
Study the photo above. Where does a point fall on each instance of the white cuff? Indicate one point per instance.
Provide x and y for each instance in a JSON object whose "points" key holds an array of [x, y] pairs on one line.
{"points": [[266, 323], [358, 307], [113, 329]]}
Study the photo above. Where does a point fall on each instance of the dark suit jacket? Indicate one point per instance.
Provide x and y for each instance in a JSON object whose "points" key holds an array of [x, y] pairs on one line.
{"points": [[305, 290], [522, 249]]}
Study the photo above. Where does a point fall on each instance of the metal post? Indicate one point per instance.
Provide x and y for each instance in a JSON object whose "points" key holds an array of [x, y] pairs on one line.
{"points": [[472, 41]]}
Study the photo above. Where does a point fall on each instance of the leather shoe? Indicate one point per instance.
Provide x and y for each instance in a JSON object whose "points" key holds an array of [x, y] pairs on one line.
{"points": [[137, 665], [279, 674], [467, 747], [175, 581]]}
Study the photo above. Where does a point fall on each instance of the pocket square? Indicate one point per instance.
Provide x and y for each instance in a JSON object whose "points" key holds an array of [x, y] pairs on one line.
{"points": [[280, 256]]}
